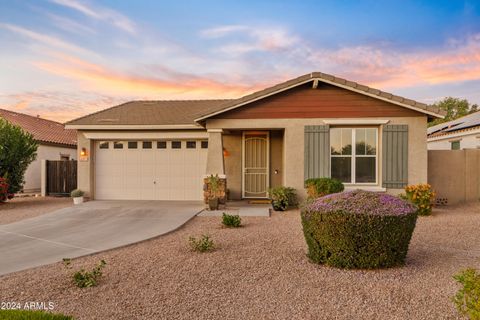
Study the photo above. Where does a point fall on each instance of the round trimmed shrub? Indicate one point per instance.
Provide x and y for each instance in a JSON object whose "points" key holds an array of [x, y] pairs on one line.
{"points": [[358, 229]]}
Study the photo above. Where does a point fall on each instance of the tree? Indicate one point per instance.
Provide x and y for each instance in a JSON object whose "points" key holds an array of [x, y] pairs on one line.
{"points": [[455, 108], [17, 150]]}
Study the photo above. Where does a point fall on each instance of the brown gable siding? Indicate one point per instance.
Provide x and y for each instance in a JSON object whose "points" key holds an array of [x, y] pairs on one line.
{"points": [[326, 101]]}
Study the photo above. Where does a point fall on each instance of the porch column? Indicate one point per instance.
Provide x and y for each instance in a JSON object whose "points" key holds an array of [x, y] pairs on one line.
{"points": [[215, 163], [215, 166]]}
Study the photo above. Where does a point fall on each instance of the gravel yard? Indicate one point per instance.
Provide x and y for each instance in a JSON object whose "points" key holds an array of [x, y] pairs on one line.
{"points": [[260, 272], [21, 208]]}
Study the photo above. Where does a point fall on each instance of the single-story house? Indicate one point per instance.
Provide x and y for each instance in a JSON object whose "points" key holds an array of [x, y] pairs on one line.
{"points": [[458, 134], [316, 125], [54, 143]]}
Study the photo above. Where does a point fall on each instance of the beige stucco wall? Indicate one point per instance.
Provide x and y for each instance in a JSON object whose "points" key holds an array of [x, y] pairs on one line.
{"points": [[293, 154], [467, 139], [44, 152], [455, 174], [85, 166], [233, 163]]}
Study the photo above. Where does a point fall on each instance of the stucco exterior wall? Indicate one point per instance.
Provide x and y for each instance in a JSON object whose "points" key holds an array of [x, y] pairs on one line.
{"points": [[85, 165], [468, 140], [233, 164], [293, 153], [44, 152]]}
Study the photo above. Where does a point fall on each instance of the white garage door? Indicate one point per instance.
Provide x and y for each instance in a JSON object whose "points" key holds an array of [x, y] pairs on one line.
{"points": [[150, 170]]}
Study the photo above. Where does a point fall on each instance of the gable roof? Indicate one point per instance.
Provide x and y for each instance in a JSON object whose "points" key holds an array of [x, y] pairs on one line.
{"points": [[151, 113], [329, 79], [188, 114], [43, 130], [454, 126]]}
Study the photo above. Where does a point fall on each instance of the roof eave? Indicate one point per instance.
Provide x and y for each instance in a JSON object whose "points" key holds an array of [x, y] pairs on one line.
{"points": [[133, 127]]}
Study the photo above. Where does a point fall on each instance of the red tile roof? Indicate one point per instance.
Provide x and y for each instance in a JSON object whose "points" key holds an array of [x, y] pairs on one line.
{"points": [[43, 130]]}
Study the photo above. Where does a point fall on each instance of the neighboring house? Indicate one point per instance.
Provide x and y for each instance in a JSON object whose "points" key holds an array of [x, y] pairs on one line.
{"points": [[282, 135], [54, 143], [462, 133]]}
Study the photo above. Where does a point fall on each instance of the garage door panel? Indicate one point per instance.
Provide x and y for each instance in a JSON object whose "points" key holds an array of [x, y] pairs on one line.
{"points": [[150, 174]]}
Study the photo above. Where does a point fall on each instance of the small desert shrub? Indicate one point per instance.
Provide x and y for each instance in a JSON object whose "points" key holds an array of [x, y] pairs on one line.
{"points": [[204, 244], [31, 315], [86, 279], [282, 198], [467, 298], [76, 193], [231, 221], [319, 187], [422, 196], [358, 229]]}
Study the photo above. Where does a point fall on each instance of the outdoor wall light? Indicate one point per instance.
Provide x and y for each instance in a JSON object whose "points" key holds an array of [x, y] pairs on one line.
{"points": [[83, 152], [226, 153]]}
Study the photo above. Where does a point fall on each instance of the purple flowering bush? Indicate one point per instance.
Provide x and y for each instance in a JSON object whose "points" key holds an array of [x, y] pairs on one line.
{"points": [[358, 229]]}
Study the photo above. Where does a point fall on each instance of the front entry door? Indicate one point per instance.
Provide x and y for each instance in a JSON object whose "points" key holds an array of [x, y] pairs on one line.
{"points": [[255, 164]]}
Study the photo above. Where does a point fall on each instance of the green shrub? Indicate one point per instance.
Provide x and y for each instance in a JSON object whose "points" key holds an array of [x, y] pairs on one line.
{"points": [[86, 279], [31, 315], [231, 221], [422, 196], [319, 187], [467, 298], [76, 193], [358, 229], [204, 244], [17, 150], [282, 198]]}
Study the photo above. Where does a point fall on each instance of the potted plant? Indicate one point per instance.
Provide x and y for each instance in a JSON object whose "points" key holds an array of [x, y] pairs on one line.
{"points": [[282, 198], [214, 184], [77, 196]]}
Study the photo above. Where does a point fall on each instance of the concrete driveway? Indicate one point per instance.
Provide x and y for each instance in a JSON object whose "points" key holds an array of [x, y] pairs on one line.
{"points": [[87, 228]]}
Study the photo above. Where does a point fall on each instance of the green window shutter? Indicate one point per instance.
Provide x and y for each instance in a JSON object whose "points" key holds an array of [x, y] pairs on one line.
{"points": [[317, 152], [395, 156]]}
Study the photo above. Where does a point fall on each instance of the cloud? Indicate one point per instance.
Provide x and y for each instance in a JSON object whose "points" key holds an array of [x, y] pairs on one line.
{"points": [[60, 106], [69, 25], [47, 40], [262, 39], [103, 79], [100, 13]]}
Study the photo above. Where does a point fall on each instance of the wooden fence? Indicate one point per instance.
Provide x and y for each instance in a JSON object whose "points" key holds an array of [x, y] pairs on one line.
{"points": [[61, 177]]}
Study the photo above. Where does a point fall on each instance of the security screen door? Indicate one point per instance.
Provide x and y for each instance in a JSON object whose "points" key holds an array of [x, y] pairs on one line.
{"points": [[255, 164]]}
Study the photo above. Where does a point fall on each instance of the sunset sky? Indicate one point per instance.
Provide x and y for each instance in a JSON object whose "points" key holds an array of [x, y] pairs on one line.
{"points": [[61, 59]]}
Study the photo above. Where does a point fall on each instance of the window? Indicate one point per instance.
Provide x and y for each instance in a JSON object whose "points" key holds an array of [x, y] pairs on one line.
{"points": [[191, 144], [455, 145], [161, 144], [176, 144], [204, 144], [132, 144], [118, 145], [147, 145], [357, 164], [103, 144]]}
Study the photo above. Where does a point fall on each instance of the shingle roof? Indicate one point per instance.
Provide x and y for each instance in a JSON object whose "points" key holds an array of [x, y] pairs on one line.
{"points": [[42, 130], [422, 107], [161, 112], [460, 124], [188, 112]]}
